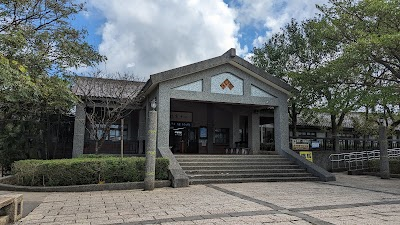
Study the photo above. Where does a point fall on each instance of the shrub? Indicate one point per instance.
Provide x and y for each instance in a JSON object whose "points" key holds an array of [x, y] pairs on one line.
{"points": [[78, 171], [394, 165]]}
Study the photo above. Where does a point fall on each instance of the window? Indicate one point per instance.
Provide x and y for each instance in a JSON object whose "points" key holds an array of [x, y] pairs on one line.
{"points": [[221, 136], [114, 134]]}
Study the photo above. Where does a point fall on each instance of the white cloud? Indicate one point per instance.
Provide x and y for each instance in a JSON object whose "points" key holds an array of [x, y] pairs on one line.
{"points": [[146, 37], [274, 14]]}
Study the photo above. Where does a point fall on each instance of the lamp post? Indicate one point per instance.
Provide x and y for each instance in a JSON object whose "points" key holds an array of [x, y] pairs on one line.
{"points": [[151, 145], [383, 147]]}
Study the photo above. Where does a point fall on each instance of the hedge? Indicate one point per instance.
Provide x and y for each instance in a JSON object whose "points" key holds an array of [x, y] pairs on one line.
{"points": [[394, 165], [79, 171]]}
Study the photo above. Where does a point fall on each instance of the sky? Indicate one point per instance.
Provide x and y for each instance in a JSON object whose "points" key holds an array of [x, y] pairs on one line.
{"points": [[146, 37]]}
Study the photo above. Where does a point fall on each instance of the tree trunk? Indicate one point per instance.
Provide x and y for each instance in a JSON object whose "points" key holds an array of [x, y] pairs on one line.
{"points": [[294, 120], [96, 148], [335, 136]]}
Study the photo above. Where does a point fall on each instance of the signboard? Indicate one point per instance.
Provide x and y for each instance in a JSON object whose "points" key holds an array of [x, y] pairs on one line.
{"points": [[307, 155], [180, 124], [203, 132], [300, 144], [181, 116], [314, 144]]}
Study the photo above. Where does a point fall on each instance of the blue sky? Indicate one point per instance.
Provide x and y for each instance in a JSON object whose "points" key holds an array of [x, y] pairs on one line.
{"points": [[146, 37]]}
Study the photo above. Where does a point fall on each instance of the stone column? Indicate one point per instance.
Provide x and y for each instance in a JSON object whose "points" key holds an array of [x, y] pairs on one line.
{"points": [[210, 128], [281, 127], [142, 130], [164, 111], [235, 127], [79, 131], [151, 145], [254, 133]]}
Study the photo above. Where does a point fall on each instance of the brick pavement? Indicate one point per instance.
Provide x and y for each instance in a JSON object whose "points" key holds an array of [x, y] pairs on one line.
{"points": [[341, 202]]}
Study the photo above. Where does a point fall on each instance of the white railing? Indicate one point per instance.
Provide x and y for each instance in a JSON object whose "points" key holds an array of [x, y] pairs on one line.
{"points": [[358, 160]]}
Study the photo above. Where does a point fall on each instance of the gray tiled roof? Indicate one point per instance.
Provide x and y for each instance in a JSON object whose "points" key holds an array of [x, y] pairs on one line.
{"points": [[106, 88]]}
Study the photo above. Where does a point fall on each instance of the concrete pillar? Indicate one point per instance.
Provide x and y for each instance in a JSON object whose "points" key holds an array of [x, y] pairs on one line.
{"points": [[79, 131], [210, 128], [235, 127], [281, 127], [254, 133], [151, 145], [163, 113], [142, 130], [384, 158]]}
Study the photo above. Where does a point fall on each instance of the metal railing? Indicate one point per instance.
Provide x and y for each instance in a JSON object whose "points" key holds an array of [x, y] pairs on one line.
{"points": [[358, 160], [350, 144]]}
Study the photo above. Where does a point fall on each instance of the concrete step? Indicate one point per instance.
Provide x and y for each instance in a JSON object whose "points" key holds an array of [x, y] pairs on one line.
{"points": [[246, 180], [241, 163], [225, 156], [243, 171], [256, 175], [231, 159], [238, 167]]}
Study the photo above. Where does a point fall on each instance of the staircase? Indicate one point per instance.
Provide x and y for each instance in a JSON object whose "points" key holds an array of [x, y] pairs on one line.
{"points": [[206, 169]]}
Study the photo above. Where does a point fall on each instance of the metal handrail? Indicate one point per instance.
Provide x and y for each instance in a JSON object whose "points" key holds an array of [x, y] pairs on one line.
{"points": [[358, 160]]}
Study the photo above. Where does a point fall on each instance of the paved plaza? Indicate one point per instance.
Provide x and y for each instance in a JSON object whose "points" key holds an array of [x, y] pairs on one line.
{"points": [[350, 200]]}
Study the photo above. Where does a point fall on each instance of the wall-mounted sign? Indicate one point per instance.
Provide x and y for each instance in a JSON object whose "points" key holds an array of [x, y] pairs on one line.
{"points": [[181, 116], [203, 132], [300, 144], [314, 144], [175, 124], [307, 155]]}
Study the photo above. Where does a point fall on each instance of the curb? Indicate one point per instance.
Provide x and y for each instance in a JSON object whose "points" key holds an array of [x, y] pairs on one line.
{"points": [[82, 188], [392, 175]]}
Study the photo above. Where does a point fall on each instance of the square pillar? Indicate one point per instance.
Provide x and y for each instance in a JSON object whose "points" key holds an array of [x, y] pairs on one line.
{"points": [[79, 131], [281, 127], [163, 126], [235, 127], [254, 133], [210, 128]]}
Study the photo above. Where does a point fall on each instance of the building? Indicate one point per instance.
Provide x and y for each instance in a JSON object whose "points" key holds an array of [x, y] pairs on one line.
{"points": [[203, 108]]}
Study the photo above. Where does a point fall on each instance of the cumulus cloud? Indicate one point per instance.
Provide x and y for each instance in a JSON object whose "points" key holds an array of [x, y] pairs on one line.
{"points": [[270, 16], [146, 37]]}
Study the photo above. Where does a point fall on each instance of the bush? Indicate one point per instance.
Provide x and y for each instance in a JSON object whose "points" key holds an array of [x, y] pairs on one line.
{"points": [[394, 165], [78, 171]]}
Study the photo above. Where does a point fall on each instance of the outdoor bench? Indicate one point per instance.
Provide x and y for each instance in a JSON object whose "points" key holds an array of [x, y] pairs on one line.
{"points": [[10, 208]]}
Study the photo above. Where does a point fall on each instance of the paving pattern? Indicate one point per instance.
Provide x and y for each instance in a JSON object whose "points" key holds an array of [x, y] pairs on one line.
{"points": [[347, 201]]}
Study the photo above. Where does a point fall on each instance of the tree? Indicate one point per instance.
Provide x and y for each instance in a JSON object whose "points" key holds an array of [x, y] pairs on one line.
{"points": [[106, 101], [369, 33], [38, 47], [300, 55], [291, 55]]}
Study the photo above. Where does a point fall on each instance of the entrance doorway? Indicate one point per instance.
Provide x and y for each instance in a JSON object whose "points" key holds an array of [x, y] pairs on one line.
{"points": [[184, 140]]}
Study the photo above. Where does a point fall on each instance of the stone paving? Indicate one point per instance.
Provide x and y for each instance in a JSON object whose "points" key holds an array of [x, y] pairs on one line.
{"points": [[353, 201]]}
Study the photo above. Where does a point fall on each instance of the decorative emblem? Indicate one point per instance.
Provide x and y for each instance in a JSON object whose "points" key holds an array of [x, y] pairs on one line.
{"points": [[227, 84]]}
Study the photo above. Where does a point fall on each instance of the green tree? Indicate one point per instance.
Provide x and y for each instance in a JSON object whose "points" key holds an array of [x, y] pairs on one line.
{"points": [[291, 55], [38, 48], [300, 55], [368, 34]]}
